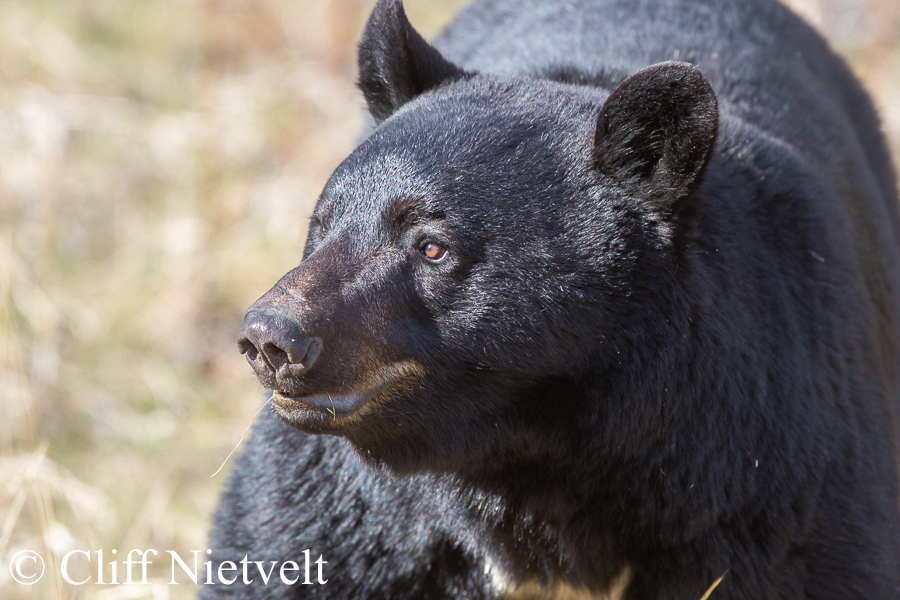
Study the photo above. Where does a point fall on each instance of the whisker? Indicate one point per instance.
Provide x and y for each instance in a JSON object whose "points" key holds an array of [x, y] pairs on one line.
{"points": [[253, 418]]}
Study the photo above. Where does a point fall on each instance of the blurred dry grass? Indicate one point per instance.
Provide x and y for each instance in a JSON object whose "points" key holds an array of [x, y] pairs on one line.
{"points": [[158, 161]]}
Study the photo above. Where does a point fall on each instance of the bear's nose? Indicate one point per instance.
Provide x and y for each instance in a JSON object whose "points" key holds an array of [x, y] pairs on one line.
{"points": [[276, 345]]}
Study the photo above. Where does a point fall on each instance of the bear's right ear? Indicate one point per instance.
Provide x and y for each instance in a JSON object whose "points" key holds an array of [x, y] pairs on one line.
{"points": [[395, 63], [656, 131]]}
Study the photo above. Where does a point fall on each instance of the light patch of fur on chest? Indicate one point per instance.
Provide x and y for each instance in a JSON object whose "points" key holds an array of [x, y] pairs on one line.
{"points": [[561, 591]]}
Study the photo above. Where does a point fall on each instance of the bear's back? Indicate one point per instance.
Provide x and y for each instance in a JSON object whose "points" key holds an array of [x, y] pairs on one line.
{"points": [[767, 66]]}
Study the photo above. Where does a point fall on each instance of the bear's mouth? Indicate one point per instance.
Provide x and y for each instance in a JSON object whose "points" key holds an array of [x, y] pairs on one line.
{"points": [[333, 411]]}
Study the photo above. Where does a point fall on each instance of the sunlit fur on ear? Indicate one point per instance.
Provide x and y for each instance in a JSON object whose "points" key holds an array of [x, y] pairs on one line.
{"points": [[657, 130], [395, 63]]}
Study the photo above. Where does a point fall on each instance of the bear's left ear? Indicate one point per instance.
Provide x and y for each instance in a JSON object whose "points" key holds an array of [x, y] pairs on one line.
{"points": [[656, 131], [395, 63]]}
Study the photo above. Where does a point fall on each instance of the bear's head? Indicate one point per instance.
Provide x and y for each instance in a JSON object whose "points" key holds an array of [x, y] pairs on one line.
{"points": [[484, 263]]}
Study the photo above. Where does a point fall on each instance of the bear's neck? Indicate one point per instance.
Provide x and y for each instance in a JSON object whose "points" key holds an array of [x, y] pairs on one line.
{"points": [[574, 509], [542, 529]]}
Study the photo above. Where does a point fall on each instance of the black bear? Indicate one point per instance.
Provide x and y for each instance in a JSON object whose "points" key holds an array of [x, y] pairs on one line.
{"points": [[606, 304]]}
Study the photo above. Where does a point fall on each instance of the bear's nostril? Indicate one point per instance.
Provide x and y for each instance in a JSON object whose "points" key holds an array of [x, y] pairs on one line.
{"points": [[275, 355], [247, 348], [275, 344]]}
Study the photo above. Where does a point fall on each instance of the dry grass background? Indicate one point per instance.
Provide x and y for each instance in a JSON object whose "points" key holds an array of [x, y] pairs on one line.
{"points": [[158, 161]]}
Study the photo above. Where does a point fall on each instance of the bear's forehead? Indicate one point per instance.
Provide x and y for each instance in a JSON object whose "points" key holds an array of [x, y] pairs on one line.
{"points": [[370, 179], [455, 135], [468, 151], [469, 114], [370, 194]]}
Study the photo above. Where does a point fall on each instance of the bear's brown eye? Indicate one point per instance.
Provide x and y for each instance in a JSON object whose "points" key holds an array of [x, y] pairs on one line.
{"points": [[434, 251]]}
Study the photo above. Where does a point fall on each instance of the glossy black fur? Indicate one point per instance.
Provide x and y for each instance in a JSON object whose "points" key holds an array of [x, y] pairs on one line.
{"points": [[663, 341]]}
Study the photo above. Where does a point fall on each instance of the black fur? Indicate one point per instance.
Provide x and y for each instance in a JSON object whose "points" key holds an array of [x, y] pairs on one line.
{"points": [[395, 63], [661, 346]]}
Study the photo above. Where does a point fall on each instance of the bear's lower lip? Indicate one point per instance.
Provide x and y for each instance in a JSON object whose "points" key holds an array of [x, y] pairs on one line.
{"points": [[333, 403], [325, 412]]}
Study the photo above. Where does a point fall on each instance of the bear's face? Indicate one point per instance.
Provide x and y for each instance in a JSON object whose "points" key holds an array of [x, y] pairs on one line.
{"points": [[438, 273], [474, 251]]}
